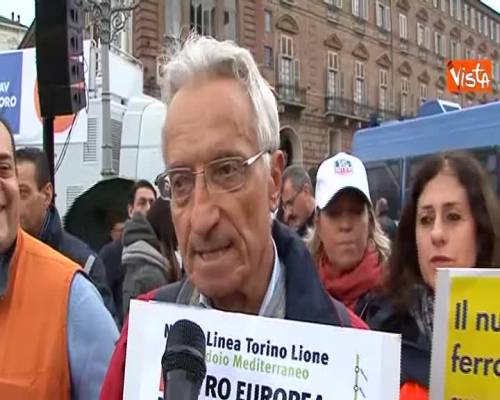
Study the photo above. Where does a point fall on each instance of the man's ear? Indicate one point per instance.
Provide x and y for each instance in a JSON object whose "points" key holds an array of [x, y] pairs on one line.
{"points": [[48, 194], [130, 210], [277, 165]]}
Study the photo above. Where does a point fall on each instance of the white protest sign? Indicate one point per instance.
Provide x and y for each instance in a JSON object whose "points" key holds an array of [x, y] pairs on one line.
{"points": [[256, 358]]}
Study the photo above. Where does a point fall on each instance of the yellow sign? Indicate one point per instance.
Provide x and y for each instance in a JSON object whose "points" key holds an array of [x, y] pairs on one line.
{"points": [[472, 356]]}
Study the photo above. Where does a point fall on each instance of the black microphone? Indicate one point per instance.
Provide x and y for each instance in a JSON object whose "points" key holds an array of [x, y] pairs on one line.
{"points": [[183, 363]]}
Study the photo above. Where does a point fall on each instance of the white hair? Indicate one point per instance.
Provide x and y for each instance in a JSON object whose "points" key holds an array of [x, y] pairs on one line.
{"points": [[201, 55]]}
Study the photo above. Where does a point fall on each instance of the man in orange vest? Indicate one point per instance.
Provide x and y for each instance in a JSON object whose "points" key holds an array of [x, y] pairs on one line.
{"points": [[56, 336]]}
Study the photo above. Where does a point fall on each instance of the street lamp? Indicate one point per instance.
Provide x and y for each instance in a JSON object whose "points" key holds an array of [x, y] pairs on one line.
{"points": [[108, 20]]}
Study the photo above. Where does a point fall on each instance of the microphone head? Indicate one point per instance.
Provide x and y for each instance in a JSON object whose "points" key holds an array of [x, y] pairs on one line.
{"points": [[185, 350]]}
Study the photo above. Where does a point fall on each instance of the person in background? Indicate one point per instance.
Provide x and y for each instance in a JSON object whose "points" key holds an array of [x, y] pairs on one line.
{"points": [[160, 218], [141, 196], [348, 245], [223, 185], [297, 199], [458, 227], [56, 336], [116, 231], [145, 267], [386, 222], [40, 218]]}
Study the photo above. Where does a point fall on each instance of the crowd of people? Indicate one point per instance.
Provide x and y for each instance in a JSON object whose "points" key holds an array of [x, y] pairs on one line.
{"points": [[228, 227]]}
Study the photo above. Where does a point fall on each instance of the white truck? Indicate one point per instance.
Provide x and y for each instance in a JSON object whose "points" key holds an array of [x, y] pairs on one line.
{"points": [[136, 122]]}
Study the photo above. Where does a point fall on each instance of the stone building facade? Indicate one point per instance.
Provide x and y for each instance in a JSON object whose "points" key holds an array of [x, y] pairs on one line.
{"points": [[336, 65]]}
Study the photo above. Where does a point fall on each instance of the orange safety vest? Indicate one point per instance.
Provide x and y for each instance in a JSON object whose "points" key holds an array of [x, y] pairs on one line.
{"points": [[34, 361], [413, 391]]}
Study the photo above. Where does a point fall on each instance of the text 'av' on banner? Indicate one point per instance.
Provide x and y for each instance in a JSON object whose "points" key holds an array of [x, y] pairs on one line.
{"points": [[256, 358], [466, 342]]}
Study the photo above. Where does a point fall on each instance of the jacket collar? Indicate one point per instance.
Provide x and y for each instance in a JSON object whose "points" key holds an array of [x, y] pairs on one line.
{"points": [[306, 300], [51, 231]]}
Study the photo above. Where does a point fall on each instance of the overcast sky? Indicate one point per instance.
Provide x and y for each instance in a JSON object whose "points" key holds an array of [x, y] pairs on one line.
{"points": [[26, 8]]}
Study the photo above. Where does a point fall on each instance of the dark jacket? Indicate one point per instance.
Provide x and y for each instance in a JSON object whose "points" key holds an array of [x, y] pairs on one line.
{"points": [[415, 350], [304, 229], [388, 225], [145, 267], [56, 237], [111, 256], [306, 300]]}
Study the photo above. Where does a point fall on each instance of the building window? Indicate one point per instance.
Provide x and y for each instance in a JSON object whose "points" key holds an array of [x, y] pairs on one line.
{"points": [[335, 3], [485, 26], [359, 83], [403, 27], [443, 5], [268, 21], [360, 9], [435, 3], [479, 22], [423, 93], [420, 34], [230, 19], [439, 44], [439, 94], [203, 17], [455, 9], [469, 54], [268, 56], [473, 18], [493, 30], [333, 84], [382, 89], [405, 90], [454, 50], [498, 34], [383, 16], [423, 36], [466, 14], [289, 68]]}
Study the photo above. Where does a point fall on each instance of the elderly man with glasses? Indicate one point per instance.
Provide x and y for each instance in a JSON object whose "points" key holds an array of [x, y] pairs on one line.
{"points": [[297, 200], [223, 177]]}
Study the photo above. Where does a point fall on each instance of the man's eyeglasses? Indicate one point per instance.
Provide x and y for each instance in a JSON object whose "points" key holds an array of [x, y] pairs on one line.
{"points": [[222, 175], [285, 205]]}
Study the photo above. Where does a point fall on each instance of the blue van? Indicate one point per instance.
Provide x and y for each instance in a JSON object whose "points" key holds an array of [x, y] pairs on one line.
{"points": [[393, 151]]}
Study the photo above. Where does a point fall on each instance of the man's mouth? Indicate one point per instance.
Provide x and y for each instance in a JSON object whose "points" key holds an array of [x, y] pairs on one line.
{"points": [[213, 254]]}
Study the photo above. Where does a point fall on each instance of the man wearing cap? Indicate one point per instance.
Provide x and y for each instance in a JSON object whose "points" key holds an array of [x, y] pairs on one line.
{"points": [[348, 245]]}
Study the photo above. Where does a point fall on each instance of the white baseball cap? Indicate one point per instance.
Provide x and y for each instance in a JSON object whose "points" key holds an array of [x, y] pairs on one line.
{"points": [[338, 173]]}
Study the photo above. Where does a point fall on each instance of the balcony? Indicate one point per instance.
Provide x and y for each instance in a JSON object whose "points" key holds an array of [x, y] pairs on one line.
{"points": [[293, 97], [388, 115], [338, 106]]}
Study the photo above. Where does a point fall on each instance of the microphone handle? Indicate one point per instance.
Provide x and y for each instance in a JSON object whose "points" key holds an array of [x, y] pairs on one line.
{"points": [[179, 386]]}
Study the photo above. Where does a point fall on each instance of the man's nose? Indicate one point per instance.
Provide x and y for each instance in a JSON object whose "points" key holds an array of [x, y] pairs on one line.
{"points": [[204, 212]]}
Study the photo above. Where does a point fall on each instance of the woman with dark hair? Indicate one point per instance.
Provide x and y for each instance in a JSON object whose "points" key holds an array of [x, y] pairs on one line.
{"points": [[160, 218], [451, 220]]}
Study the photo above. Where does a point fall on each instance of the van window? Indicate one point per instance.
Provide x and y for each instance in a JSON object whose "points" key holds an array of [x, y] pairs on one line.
{"points": [[384, 178]]}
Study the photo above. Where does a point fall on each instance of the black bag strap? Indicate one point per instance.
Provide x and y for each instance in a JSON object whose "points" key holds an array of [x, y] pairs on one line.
{"points": [[342, 313]]}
